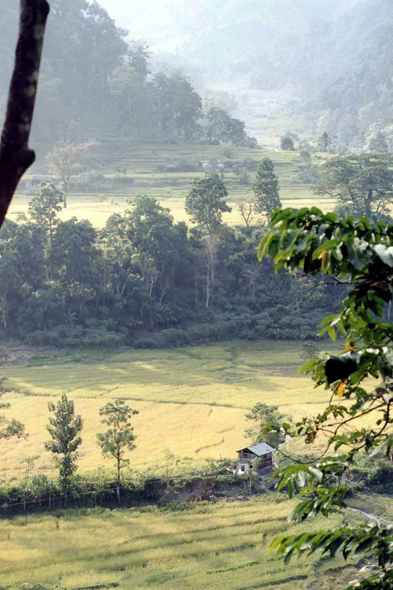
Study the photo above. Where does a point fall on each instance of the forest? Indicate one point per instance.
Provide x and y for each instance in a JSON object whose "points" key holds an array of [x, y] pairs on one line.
{"points": [[143, 281]]}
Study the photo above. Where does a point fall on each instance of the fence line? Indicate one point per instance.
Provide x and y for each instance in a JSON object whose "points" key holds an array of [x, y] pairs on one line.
{"points": [[113, 489]]}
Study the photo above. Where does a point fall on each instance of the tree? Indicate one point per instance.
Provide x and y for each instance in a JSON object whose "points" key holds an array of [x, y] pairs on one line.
{"points": [[64, 428], [263, 415], [378, 143], [177, 106], [359, 253], [138, 56], [305, 157], [28, 463], [171, 461], [119, 438], [15, 155], [246, 210], [131, 97], [9, 428], [205, 203], [222, 128], [44, 206], [63, 161], [74, 251], [22, 271], [287, 144], [324, 141], [362, 185], [266, 188]]}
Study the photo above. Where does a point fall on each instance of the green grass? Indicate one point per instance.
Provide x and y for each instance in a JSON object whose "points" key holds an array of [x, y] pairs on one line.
{"points": [[222, 546]]}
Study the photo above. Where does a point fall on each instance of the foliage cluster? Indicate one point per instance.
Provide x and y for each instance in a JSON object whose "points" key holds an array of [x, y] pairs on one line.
{"points": [[360, 254], [146, 280]]}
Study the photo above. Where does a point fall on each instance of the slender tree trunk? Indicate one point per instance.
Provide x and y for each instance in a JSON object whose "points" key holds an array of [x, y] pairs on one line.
{"points": [[118, 479], [212, 256], [368, 203], [15, 155], [207, 285]]}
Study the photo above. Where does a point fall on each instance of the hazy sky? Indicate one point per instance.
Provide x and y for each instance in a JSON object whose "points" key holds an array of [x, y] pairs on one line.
{"points": [[145, 19]]}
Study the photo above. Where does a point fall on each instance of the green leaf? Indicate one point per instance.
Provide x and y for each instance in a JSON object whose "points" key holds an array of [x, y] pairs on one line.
{"points": [[328, 245], [332, 333], [264, 244], [385, 254], [356, 256]]}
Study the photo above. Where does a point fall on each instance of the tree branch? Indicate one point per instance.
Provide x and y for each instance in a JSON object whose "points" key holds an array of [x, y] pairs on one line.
{"points": [[15, 155]]}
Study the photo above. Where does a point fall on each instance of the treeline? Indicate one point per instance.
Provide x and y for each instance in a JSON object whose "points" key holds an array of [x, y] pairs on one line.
{"points": [[146, 281], [94, 81]]}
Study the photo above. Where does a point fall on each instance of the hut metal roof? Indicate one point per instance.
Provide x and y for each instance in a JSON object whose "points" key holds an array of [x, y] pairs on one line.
{"points": [[259, 450]]}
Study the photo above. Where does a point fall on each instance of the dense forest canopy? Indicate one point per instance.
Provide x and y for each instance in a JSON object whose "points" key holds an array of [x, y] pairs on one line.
{"points": [[97, 83], [331, 64]]}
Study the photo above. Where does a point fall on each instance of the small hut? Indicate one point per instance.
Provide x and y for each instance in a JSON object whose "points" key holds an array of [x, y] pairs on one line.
{"points": [[36, 181], [260, 456]]}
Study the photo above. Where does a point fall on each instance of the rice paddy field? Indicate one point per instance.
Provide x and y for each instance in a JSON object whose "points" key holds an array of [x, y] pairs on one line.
{"points": [[191, 400], [147, 163], [222, 546]]}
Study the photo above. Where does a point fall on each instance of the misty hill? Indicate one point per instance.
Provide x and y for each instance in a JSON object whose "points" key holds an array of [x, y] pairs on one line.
{"points": [[327, 64], [305, 66]]}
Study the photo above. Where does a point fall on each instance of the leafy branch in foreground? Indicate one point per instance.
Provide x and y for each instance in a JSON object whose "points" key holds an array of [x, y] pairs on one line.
{"points": [[358, 417]]}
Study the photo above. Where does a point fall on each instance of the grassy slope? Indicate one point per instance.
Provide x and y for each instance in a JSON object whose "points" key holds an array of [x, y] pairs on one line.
{"points": [[216, 546], [191, 400], [142, 160]]}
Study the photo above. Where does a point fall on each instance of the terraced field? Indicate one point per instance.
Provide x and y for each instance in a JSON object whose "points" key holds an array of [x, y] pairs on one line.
{"points": [[191, 400], [147, 163], [222, 546]]}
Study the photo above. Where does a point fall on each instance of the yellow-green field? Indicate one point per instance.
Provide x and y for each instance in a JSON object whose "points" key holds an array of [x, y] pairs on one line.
{"points": [[221, 546], [191, 400], [144, 162]]}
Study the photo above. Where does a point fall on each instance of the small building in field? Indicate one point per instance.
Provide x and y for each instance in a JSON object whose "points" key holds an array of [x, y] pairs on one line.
{"points": [[36, 181], [258, 456]]}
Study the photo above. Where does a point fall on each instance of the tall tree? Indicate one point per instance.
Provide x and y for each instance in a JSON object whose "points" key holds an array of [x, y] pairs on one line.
{"points": [[44, 207], [246, 210], [119, 438], [205, 203], [177, 107], [22, 270], [64, 160], [15, 155], [64, 428], [360, 253], [324, 141], [361, 185], [267, 197]]}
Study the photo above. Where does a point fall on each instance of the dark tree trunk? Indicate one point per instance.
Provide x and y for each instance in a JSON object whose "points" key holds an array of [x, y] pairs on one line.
{"points": [[15, 155], [118, 479]]}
